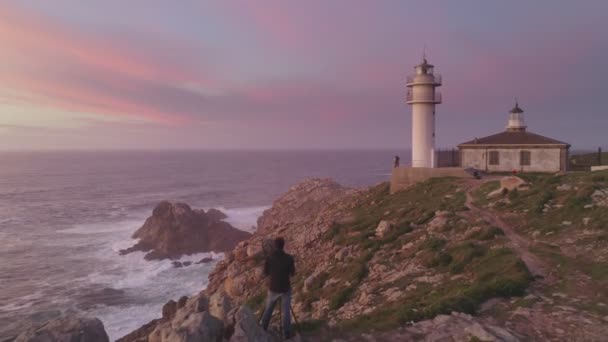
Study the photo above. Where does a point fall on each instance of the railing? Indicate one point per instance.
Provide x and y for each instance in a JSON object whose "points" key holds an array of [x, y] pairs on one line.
{"points": [[447, 157], [584, 161], [434, 79], [435, 98]]}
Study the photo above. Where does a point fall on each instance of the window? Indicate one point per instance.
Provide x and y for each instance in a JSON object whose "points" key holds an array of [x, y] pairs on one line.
{"points": [[494, 158], [524, 158]]}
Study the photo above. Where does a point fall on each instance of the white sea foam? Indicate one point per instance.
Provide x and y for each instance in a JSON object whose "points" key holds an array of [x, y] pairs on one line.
{"points": [[121, 320], [155, 281], [128, 225]]}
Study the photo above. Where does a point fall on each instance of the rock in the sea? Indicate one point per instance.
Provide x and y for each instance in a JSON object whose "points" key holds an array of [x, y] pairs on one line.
{"points": [[205, 260], [66, 329], [216, 215], [174, 229]]}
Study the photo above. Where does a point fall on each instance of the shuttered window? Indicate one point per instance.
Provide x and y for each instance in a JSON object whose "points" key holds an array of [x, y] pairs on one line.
{"points": [[494, 158], [525, 158]]}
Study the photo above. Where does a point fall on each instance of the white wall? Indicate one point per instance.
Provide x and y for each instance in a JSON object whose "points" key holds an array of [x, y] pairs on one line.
{"points": [[542, 159]]}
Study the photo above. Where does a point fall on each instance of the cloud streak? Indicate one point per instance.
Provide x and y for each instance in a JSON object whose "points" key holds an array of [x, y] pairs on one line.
{"points": [[284, 67], [58, 67]]}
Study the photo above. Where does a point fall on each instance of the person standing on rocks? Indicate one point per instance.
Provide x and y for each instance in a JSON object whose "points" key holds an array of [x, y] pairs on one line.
{"points": [[396, 162], [279, 266]]}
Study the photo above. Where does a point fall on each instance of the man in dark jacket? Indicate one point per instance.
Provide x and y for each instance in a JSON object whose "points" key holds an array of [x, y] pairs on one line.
{"points": [[279, 267]]}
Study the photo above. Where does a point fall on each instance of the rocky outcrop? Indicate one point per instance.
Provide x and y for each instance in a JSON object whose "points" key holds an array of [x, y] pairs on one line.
{"points": [[508, 184], [66, 329], [383, 228], [315, 204], [600, 197], [454, 327], [306, 203], [175, 229], [247, 329]]}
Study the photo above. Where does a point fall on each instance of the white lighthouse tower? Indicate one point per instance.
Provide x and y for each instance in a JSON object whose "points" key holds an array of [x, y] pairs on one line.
{"points": [[421, 94]]}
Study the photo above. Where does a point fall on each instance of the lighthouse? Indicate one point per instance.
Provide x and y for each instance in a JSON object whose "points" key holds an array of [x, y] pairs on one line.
{"points": [[423, 97]]}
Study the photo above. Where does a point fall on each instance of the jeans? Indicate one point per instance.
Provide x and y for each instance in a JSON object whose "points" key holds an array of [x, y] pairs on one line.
{"points": [[271, 300]]}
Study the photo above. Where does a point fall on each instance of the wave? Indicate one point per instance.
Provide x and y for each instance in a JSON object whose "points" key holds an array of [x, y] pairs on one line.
{"points": [[145, 286], [126, 225]]}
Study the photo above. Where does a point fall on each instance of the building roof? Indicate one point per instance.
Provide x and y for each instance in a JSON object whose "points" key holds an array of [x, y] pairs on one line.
{"points": [[514, 138]]}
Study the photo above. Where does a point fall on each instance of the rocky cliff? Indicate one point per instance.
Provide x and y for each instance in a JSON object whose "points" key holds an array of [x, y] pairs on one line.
{"points": [[439, 261], [445, 260], [175, 229]]}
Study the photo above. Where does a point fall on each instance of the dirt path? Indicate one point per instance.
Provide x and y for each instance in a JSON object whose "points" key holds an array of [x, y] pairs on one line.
{"points": [[519, 243]]}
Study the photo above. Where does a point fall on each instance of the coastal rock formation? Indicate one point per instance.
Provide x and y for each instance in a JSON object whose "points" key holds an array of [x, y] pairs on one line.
{"points": [[414, 264], [175, 229], [454, 327], [66, 329], [247, 329]]}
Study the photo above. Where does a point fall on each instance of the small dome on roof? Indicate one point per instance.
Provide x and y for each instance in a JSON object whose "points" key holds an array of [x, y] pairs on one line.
{"points": [[516, 109]]}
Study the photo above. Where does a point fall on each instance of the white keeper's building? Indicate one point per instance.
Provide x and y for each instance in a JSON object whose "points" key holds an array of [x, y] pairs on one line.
{"points": [[515, 149]]}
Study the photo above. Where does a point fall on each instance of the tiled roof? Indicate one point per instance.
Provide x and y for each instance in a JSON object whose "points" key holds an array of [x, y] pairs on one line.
{"points": [[514, 138]]}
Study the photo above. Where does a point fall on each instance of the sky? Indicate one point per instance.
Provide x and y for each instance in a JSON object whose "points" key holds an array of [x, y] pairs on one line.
{"points": [[281, 74]]}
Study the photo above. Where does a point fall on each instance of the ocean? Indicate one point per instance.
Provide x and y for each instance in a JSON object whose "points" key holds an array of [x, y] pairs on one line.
{"points": [[65, 215]]}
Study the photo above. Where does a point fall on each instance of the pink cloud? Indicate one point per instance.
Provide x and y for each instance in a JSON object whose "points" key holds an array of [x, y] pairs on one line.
{"points": [[40, 55]]}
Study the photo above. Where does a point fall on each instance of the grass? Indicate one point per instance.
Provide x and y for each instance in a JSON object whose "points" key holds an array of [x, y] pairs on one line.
{"points": [[489, 271], [486, 233], [480, 196], [433, 243], [566, 205], [354, 274], [496, 273], [256, 301], [310, 326], [417, 204]]}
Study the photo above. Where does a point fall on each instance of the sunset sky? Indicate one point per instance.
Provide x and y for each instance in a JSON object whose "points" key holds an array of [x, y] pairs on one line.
{"points": [[111, 74]]}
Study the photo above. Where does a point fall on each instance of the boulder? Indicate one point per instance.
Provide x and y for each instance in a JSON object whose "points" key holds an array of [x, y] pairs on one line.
{"points": [[383, 228], [600, 197], [439, 221], [247, 329], [219, 305], [174, 229], [169, 309], [199, 326], [457, 327], [66, 329], [508, 184]]}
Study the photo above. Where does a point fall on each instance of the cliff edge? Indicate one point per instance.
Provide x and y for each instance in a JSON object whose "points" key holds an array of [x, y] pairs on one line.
{"points": [[438, 260]]}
